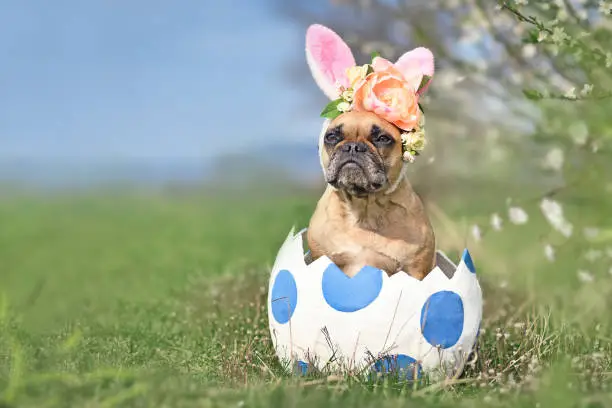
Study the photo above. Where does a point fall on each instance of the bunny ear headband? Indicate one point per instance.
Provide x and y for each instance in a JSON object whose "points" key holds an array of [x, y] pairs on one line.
{"points": [[390, 90]]}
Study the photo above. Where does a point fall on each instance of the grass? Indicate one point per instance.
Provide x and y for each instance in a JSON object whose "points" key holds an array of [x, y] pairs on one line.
{"points": [[158, 300]]}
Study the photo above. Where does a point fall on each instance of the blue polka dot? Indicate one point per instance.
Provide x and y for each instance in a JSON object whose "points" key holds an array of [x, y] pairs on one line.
{"points": [[302, 367], [351, 294], [400, 364], [284, 296], [467, 260], [442, 319]]}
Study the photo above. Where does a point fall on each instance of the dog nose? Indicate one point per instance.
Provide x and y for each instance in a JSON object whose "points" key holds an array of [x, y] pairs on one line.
{"points": [[357, 147]]}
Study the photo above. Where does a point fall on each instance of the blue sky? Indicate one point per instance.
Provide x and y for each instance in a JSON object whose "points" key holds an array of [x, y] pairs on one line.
{"points": [[111, 79]]}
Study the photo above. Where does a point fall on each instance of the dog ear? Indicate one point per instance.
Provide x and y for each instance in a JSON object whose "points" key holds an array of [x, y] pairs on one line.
{"points": [[328, 57], [415, 64]]}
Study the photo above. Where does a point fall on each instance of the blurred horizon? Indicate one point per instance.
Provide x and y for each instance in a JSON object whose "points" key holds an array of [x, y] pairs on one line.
{"points": [[157, 97]]}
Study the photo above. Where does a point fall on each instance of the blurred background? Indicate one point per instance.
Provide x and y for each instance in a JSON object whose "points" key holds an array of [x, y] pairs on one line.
{"points": [[208, 97], [148, 145]]}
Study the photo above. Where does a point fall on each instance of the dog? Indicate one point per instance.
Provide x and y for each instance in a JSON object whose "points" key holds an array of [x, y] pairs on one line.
{"points": [[368, 215]]}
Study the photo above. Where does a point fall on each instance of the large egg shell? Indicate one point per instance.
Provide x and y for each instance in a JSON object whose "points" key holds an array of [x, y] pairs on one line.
{"points": [[320, 318]]}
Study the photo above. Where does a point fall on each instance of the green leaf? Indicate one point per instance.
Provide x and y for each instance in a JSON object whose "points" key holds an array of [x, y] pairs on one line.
{"points": [[532, 36], [331, 110], [424, 81], [369, 70], [421, 107], [532, 94], [374, 54]]}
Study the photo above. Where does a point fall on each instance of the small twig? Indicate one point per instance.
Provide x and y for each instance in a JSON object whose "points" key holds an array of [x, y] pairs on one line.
{"points": [[531, 20], [540, 26]]}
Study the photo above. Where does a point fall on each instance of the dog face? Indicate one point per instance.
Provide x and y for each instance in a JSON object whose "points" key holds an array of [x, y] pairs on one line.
{"points": [[361, 153]]}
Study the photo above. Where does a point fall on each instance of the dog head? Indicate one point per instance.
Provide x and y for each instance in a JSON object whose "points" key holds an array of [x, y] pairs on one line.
{"points": [[360, 152]]}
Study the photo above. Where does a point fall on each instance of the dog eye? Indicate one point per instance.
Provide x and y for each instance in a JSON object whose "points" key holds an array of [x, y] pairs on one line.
{"points": [[332, 138], [382, 139]]}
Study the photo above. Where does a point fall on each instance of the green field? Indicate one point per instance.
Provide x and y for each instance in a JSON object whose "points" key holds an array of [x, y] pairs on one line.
{"points": [[158, 300]]}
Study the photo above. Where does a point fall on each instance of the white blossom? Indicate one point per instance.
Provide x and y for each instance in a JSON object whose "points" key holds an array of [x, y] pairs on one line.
{"points": [[409, 157], [559, 35], [529, 51], [542, 35], [593, 254], [344, 106], [496, 222], [570, 93], [476, 232], [585, 276], [554, 159], [587, 89], [517, 215], [579, 131], [549, 252], [553, 212]]}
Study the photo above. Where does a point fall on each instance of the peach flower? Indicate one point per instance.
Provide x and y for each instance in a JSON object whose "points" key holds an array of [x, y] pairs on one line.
{"points": [[389, 95]]}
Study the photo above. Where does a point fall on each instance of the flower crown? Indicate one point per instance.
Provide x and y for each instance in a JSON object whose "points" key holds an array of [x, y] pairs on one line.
{"points": [[389, 90]]}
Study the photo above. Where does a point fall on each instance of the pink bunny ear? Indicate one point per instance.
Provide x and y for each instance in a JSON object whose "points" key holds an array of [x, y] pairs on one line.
{"points": [[328, 57], [415, 64]]}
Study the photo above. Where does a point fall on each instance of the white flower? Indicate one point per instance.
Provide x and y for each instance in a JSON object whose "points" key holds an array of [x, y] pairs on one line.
{"points": [[517, 215], [559, 35], [570, 93], [496, 222], [408, 157], [542, 35], [554, 159], [476, 233], [348, 95], [604, 7], [529, 51], [592, 255], [344, 106], [587, 89], [585, 276], [549, 252], [414, 141], [579, 132], [553, 212]]}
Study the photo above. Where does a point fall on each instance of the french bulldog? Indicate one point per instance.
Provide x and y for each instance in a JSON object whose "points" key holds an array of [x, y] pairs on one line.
{"points": [[368, 214]]}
